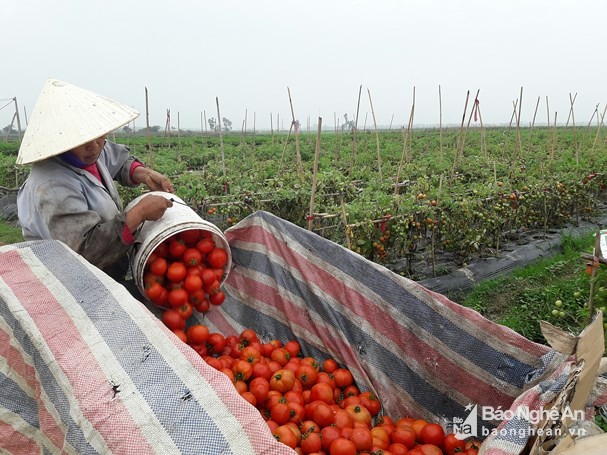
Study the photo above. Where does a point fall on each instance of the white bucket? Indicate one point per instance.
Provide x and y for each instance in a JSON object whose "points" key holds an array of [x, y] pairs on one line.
{"points": [[178, 218]]}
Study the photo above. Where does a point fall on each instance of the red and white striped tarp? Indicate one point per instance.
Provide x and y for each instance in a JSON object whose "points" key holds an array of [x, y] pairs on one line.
{"points": [[85, 368], [422, 354]]}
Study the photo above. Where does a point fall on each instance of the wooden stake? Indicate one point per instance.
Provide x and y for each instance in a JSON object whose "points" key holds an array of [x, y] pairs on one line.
{"points": [[570, 116], [405, 156], [344, 218], [147, 122], [596, 138], [548, 112], [315, 176], [355, 131], [518, 125], [440, 121], [533, 121], [376, 136], [223, 160], [296, 125], [272, 128]]}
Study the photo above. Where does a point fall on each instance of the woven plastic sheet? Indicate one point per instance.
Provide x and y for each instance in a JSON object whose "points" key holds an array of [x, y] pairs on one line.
{"points": [[422, 354], [86, 368]]}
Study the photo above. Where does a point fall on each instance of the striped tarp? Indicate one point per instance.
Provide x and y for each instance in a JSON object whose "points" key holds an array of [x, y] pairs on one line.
{"points": [[422, 354], [85, 368]]}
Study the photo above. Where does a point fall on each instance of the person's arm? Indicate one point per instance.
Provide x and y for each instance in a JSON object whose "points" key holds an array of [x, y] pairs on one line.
{"points": [[154, 180]]}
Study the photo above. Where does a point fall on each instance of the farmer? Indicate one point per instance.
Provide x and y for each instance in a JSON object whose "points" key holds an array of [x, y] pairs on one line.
{"points": [[70, 194]]}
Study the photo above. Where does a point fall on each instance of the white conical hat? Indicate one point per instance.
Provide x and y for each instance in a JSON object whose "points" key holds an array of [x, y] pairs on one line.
{"points": [[66, 116]]}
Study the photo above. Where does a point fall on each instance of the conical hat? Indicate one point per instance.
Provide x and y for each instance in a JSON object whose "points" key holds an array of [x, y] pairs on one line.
{"points": [[65, 117]]}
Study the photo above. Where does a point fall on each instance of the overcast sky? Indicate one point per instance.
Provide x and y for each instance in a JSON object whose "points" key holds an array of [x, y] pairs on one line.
{"points": [[246, 53]]}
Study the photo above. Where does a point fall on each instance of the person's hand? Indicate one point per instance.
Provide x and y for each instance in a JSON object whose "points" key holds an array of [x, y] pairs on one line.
{"points": [[155, 181], [151, 207]]}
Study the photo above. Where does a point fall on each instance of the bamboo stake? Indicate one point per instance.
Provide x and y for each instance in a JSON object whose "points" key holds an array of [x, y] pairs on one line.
{"points": [[315, 176], [206, 132], [284, 149], [376, 136], [344, 218], [569, 117], [223, 161], [272, 128], [405, 155], [518, 125], [548, 112], [355, 130], [514, 103], [459, 138], [553, 137], [295, 124], [391, 120], [483, 132], [533, 121], [596, 138], [147, 122], [440, 121], [572, 115]]}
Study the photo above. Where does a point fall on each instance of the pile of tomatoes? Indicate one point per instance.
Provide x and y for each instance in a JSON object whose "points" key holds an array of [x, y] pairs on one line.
{"points": [[184, 273], [315, 407]]}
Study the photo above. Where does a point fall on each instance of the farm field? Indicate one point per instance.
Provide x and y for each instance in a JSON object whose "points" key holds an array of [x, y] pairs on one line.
{"points": [[419, 202]]}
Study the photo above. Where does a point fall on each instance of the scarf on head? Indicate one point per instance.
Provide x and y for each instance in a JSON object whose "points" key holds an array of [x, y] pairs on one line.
{"points": [[73, 160]]}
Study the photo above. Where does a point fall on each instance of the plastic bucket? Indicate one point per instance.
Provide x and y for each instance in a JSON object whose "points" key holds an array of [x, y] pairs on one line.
{"points": [[178, 218]]}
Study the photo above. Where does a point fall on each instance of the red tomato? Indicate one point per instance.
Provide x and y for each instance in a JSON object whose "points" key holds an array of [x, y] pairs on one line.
{"points": [[306, 374], [217, 258], [362, 438], [192, 257], [285, 435], [159, 266], [173, 320], [398, 449], [342, 446], [197, 334], [310, 442], [328, 435], [176, 272], [359, 413], [192, 283], [176, 247], [178, 297], [205, 245], [403, 435], [250, 354], [323, 414], [329, 365], [343, 377], [215, 343], [181, 335], [453, 445], [369, 400], [217, 298], [162, 250], [242, 370], [282, 380], [432, 433], [208, 276], [190, 237], [323, 392], [185, 310], [154, 291]]}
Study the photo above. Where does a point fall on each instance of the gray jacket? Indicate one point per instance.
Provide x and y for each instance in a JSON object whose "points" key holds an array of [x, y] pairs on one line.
{"points": [[65, 203]]}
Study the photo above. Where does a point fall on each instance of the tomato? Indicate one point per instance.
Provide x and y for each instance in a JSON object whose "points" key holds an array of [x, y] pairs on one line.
{"points": [[176, 272], [280, 355], [329, 365], [342, 446], [212, 288], [197, 334], [381, 438], [342, 377], [215, 343], [359, 413], [250, 354], [432, 433], [162, 250], [351, 391], [185, 310], [398, 449], [208, 276], [154, 291], [296, 412], [217, 298], [217, 258], [176, 247], [369, 400], [453, 445], [181, 335], [285, 435], [430, 449], [192, 283], [326, 378], [149, 278], [205, 245], [192, 257], [163, 299], [306, 374], [292, 347], [323, 414], [189, 237], [404, 435], [328, 435], [279, 413], [362, 438], [311, 442], [322, 391], [260, 388], [159, 266], [178, 297], [282, 380], [173, 320], [417, 426]]}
